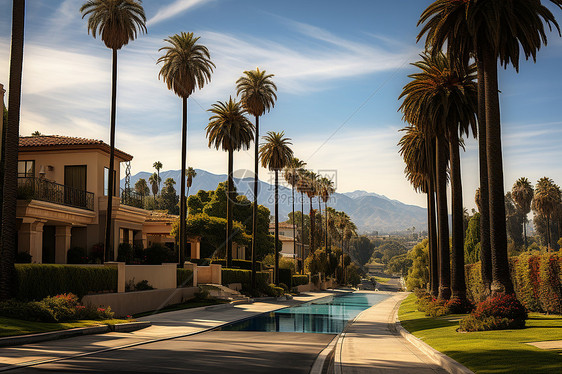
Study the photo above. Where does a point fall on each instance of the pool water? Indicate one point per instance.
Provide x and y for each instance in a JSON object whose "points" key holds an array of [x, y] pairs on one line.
{"points": [[328, 315]]}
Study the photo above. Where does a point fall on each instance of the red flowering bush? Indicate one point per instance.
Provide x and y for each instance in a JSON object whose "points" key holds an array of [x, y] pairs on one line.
{"points": [[459, 306], [495, 313]]}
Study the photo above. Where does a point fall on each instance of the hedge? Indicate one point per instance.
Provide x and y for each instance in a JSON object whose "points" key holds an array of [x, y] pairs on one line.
{"points": [[285, 276], [37, 281], [184, 277], [536, 278], [299, 280], [244, 277], [238, 264]]}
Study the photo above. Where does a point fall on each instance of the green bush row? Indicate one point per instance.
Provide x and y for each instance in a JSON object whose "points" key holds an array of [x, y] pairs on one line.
{"points": [[536, 278], [238, 264], [244, 277], [184, 277], [299, 280], [37, 281]]}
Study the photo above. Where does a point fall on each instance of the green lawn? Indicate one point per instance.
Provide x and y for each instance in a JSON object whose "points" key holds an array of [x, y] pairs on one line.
{"points": [[187, 305], [502, 351], [11, 326], [380, 279]]}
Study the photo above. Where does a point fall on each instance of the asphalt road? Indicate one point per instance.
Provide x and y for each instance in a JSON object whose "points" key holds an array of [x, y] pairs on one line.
{"points": [[210, 352]]}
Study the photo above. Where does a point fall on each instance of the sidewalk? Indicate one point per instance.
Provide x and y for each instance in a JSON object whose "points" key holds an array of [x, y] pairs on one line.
{"points": [[164, 326], [370, 346]]}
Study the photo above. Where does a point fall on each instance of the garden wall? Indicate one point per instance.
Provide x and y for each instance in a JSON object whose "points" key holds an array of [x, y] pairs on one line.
{"points": [[536, 277]]}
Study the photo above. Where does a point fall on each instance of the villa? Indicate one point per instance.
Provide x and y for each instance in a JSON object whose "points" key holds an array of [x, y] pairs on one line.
{"points": [[287, 239], [62, 200]]}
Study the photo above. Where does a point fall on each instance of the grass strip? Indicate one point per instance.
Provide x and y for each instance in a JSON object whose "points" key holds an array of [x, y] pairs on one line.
{"points": [[502, 351], [14, 327]]}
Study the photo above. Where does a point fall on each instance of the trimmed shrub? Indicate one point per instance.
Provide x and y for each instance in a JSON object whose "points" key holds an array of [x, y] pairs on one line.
{"points": [[157, 254], [284, 287], [244, 277], [315, 279], [76, 255], [125, 253], [37, 281], [184, 278], [273, 290], [285, 276], [527, 282], [238, 264], [550, 290], [437, 308], [474, 287], [499, 312], [23, 258], [299, 280], [458, 306]]}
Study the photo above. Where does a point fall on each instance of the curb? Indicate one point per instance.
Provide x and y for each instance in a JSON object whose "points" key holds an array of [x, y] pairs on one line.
{"points": [[439, 358], [79, 331], [323, 358]]}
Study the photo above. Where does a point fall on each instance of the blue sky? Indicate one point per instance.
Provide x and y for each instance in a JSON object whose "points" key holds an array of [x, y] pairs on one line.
{"points": [[339, 67]]}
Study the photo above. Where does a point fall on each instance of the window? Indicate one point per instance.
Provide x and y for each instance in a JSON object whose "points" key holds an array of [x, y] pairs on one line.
{"points": [[26, 169], [75, 177], [106, 182]]}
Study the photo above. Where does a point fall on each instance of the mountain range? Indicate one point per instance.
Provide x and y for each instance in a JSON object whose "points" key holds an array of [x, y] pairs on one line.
{"points": [[370, 211]]}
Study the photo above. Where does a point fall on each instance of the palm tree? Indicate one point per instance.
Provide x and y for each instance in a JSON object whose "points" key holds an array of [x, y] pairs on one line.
{"points": [[327, 189], [545, 202], [117, 22], [257, 93], [10, 155], [158, 166], [186, 66], [301, 188], [142, 188], [230, 130], [275, 155], [310, 179], [501, 30], [291, 174], [522, 193], [444, 21], [154, 181], [190, 174], [419, 171]]}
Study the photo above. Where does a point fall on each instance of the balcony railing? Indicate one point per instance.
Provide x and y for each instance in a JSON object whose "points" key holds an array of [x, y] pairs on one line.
{"points": [[132, 198], [30, 188]]}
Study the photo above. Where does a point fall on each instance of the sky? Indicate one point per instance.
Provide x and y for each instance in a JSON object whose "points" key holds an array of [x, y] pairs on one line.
{"points": [[339, 68]]}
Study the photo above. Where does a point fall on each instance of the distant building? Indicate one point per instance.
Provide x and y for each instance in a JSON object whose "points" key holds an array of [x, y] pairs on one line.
{"points": [[62, 200], [289, 249]]}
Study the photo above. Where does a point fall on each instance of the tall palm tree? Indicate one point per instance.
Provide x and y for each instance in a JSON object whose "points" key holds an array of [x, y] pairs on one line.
{"points": [[158, 166], [301, 188], [327, 189], [257, 93], [522, 193], [545, 202], [275, 155], [419, 170], [230, 130], [117, 22], [186, 65], [311, 191], [291, 174], [190, 174], [10, 155], [154, 181], [500, 31], [444, 21]]}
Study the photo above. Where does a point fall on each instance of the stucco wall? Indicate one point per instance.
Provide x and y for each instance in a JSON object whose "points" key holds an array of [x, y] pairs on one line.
{"points": [[158, 276]]}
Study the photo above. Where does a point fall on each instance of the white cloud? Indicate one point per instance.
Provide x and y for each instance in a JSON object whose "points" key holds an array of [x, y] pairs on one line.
{"points": [[174, 10]]}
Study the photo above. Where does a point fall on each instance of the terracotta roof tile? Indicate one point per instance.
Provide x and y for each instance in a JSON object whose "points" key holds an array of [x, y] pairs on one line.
{"points": [[43, 142]]}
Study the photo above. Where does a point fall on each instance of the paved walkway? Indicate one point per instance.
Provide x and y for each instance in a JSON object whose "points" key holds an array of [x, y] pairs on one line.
{"points": [[165, 326], [370, 345]]}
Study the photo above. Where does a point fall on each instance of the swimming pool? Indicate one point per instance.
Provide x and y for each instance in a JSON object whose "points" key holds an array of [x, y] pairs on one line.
{"points": [[327, 315]]}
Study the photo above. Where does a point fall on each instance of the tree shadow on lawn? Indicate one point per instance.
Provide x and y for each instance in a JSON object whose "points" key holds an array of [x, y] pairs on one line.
{"points": [[419, 324]]}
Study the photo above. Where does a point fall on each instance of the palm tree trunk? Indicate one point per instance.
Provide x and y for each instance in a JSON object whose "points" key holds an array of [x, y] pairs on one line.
{"points": [[458, 284], [229, 209], [255, 206], [302, 233], [294, 228], [501, 280], [320, 222], [443, 220], [111, 182], [326, 227], [276, 270], [183, 205], [311, 249], [548, 245], [10, 149], [432, 232], [485, 251]]}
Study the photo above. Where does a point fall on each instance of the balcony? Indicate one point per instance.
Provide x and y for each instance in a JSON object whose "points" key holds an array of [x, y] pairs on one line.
{"points": [[132, 198], [30, 188]]}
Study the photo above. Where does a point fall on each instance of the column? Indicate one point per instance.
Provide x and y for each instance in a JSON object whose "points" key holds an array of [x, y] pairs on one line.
{"points": [[62, 243], [196, 249], [37, 249]]}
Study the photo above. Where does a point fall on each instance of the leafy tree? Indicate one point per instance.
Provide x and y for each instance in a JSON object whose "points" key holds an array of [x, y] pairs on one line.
{"points": [[142, 188], [522, 193], [186, 65], [275, 155], [117, 22], [399, 265], [472, 240], [169, 198], [418, 273], [361, 249]]}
